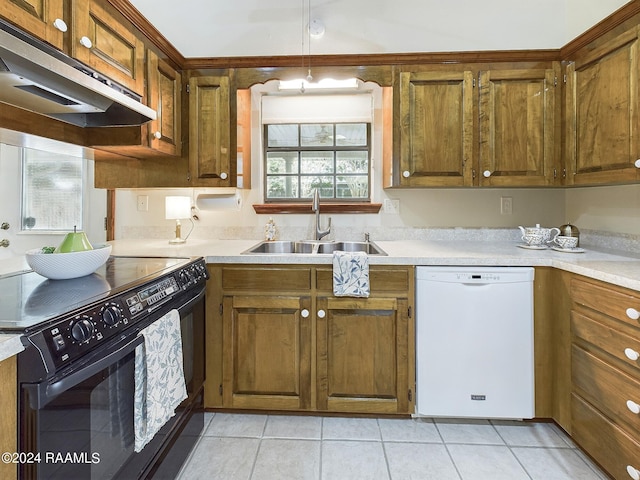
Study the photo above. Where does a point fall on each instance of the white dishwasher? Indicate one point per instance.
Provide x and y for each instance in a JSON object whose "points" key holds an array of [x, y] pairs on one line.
{"points": [[474, 342]]}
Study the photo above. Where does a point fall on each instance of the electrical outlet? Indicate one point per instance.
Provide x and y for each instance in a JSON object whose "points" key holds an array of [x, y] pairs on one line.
{"points": [[143, 203], [506, 205], [391, 206]]}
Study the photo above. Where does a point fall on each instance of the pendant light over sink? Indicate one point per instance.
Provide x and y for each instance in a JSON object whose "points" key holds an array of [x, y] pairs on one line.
{"points": [[313, 28]]}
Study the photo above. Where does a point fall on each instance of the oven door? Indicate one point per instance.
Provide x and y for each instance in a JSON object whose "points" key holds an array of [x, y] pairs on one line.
{"points": [[79, 423]]}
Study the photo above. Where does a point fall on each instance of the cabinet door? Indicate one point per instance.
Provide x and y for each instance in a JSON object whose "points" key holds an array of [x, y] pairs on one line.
{"points": [[41, 18], [363, 355], [267, 352], [517, 127], [436, 129], [602, 114], [210, 159], [103, 42], [164, 95]]}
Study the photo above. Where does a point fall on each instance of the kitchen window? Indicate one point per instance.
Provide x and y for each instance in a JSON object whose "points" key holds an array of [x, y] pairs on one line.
{"points": [[52, 191], [332, 157]]}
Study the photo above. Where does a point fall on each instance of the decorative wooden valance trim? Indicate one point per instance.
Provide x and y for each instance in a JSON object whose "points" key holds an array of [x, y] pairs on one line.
{"points": [[275, 208]]}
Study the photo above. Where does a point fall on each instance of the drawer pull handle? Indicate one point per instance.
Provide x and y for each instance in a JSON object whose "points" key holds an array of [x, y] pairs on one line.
{"points": [[322, 314], [631, 354], [633, 472], [304, 313], [633, 314], [633, 406]]}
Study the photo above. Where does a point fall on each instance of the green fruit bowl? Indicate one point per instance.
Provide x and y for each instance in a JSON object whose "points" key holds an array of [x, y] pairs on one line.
{"points": [[61, 266]]}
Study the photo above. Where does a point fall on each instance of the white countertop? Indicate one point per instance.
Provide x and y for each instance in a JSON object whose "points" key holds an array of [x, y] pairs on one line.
{"points": [[618, 268], [10, 345]]}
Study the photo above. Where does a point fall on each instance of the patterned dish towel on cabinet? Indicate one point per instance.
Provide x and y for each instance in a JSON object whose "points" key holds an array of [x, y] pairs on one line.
{"points": [[350, 274]]}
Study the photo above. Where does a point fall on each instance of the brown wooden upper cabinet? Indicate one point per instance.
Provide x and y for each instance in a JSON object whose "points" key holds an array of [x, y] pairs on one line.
{"points": [[101, 39], [164, 95], [212, 162], [602, 113], [518, 141], [436, 129], [509, 140], [42, 18]]}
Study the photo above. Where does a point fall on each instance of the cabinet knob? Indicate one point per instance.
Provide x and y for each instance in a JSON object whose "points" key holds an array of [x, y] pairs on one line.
{"points": [[157, 135], [304, 313], [631, 354], [86, 42], [406, 174], [633, 407], [633, 472], [633, 314], [637, 163], [60, 24], [486, 173], [322, 314], [223, 175], [5, 226]]}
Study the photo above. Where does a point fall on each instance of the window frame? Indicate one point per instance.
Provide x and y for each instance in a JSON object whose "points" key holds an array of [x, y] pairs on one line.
{"points": [[299, 149]]}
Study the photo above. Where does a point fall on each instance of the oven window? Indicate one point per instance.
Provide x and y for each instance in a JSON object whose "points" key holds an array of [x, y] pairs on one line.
{"points": [[87, 431]]}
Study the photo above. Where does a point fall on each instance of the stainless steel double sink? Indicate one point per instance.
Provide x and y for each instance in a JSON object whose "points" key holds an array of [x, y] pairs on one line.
{"points": [[312, 247]]}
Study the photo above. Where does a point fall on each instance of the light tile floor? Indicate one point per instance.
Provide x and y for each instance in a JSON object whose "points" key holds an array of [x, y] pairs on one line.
{"points": [[276, 447]]}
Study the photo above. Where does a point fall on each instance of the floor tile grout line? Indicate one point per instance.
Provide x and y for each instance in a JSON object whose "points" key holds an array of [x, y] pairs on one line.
{"points": [[446, 446]]}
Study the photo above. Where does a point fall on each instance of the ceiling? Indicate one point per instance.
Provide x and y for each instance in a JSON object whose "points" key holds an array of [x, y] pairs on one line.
{"points": [[211, 28]]}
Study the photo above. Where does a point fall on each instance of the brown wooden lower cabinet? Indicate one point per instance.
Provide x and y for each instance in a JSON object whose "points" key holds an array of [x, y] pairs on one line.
{"points": [[605, 375], [362, 355], [267, 352], [289, 345], [8, 416]]}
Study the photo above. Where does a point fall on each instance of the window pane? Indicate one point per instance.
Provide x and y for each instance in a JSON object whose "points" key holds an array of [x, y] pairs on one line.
{"points": [[352, 162], [316, 135], [352, 186], [316, 162], [51, 191], [282, 187], [323, 184], [283, 135], [282, 162], [351, 134]]}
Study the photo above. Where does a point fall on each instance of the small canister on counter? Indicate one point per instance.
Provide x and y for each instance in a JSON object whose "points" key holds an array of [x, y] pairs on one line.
{"points": [[569, 230]]}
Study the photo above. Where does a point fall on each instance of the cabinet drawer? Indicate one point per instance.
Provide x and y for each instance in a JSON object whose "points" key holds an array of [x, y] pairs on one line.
{"points": [[611, 302], [609, 445], [382, 279], [606, 387], [606, 338], [266, 279]]}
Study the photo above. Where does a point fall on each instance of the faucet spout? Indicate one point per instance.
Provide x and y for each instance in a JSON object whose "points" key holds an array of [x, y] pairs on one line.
{"points": [[316, 208]]}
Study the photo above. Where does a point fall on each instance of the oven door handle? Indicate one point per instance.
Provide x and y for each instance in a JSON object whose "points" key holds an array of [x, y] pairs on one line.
{"points": [[189, 303], [46, 392]]}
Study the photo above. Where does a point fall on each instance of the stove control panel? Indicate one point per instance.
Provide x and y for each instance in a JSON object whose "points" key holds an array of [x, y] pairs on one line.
{"points": [[73, 336]]}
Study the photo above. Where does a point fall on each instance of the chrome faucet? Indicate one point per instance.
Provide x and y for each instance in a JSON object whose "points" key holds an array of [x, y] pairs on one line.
{"points": [[316, 208]]}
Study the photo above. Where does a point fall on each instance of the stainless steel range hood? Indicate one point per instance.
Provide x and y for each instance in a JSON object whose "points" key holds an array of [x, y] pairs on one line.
{"points": [[39, 78]]}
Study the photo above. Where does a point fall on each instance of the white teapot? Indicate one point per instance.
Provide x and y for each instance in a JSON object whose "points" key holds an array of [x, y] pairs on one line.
{"points": [[538, 235]]}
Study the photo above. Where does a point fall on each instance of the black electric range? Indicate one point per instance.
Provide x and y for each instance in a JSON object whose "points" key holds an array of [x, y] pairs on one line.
{"points": [[28, 301]]}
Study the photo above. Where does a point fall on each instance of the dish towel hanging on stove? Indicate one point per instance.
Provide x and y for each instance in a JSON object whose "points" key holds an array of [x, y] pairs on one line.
{"points": [[159, 377], [350, 274]]}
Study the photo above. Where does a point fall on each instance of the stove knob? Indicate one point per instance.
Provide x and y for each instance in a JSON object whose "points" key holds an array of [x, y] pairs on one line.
{"points": [[111, 315], [82, 330], [185, 277]]}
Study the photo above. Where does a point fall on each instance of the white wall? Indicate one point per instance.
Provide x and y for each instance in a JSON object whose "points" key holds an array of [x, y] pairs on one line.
{"points": [[609, 208], [581, 15], [253, 27]]}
